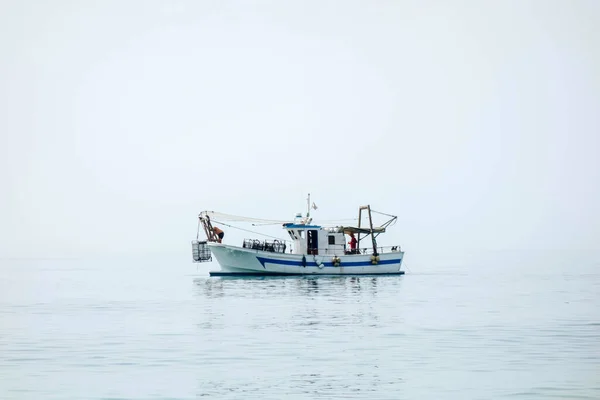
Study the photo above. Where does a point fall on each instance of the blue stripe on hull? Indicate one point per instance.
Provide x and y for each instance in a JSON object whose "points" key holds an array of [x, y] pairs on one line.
{"points": [[223, 273], [295, 263]]}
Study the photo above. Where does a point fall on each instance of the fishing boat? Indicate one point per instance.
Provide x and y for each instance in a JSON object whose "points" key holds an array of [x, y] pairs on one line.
{"points": [[312, 249]]}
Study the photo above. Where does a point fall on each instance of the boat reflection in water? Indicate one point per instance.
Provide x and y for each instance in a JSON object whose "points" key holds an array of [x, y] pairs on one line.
{"points": [[282, 286]]}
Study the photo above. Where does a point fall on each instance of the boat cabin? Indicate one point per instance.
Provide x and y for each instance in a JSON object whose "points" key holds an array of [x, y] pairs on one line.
{"points": [[315, 239]]}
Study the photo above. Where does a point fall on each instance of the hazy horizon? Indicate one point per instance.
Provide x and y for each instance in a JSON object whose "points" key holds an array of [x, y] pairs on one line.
{"points": [[478, 124]]}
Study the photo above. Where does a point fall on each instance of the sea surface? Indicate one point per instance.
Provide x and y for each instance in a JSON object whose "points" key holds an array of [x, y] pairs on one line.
{"points": [[500, 326]]}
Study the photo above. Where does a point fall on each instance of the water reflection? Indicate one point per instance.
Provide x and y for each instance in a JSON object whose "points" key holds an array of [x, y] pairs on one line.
{"points": [[306, 384], [312, 286], [312, 327], [212, 287]]}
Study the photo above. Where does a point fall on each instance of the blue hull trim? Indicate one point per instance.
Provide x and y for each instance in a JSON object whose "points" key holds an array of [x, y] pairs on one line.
{"points": [[264, 260], [221, 273]]}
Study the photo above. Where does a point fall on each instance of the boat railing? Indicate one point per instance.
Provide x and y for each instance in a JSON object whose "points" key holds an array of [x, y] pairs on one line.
{"points": [[274, 246], [358, 251]]}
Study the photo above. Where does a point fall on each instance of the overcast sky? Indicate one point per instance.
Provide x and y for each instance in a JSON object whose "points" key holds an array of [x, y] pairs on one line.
{"points": [[476, 122]]}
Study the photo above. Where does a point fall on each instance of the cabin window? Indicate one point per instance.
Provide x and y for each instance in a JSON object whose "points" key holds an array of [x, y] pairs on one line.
{"points": [[331, 239], [301, 234]]}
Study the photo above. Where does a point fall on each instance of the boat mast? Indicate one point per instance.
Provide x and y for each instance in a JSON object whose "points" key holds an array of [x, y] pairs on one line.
{"points": [[372, 234], [368, 208], [359, 221]]}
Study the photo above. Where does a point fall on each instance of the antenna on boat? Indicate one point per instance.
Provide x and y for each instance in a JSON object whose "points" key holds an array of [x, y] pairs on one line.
{"points": [[308, 207]]}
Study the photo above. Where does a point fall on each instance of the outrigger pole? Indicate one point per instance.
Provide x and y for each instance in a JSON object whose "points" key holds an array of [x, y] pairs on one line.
{"points": [[368, 208], [371, 230]]}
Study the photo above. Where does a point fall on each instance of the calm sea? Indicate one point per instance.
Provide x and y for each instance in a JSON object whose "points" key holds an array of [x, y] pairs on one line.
{"points": [[498, 327]]}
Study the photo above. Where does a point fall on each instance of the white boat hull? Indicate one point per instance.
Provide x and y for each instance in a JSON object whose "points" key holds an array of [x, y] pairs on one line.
{"points": [[244, 261]]}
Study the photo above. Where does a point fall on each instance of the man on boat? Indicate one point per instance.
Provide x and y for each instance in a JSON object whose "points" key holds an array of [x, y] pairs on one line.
{"points": [[352, 243], [219, 234]]}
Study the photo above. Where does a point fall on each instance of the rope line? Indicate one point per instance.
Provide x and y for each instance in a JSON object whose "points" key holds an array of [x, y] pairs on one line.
{"points": [[332, 221], [239, 218], [248, 230], [379, 212]]}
